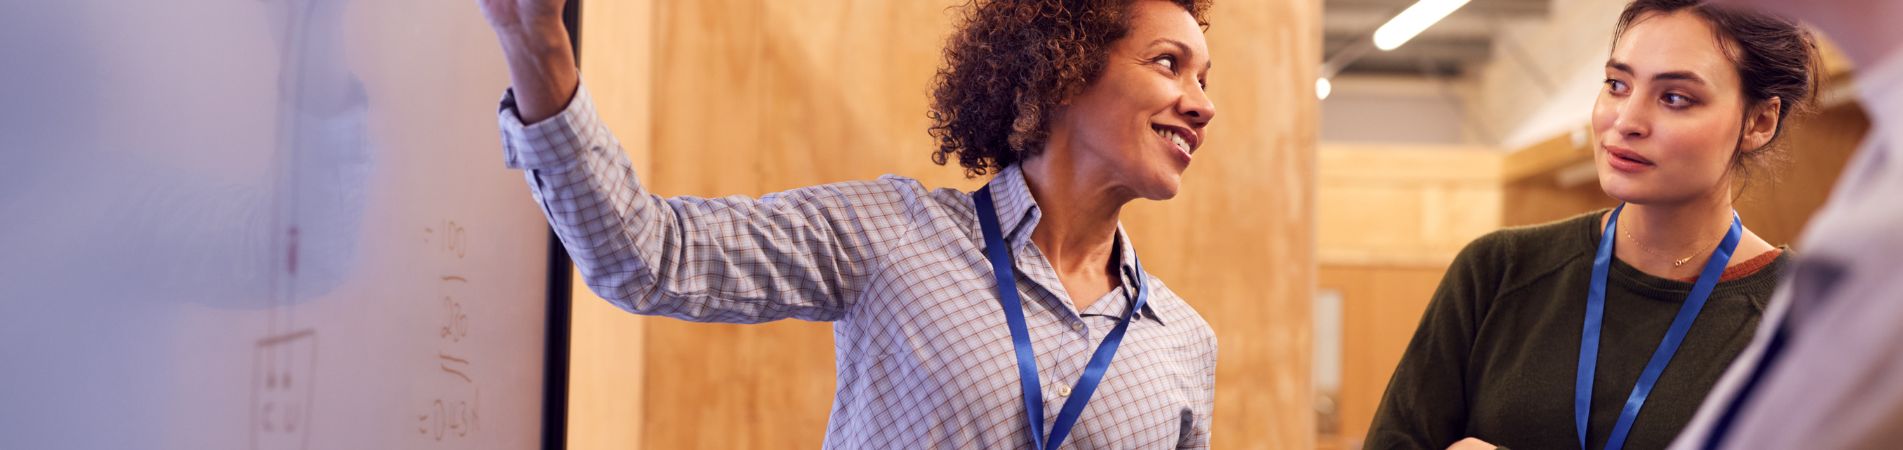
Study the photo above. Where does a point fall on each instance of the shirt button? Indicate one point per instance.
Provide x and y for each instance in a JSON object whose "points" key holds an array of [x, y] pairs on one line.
{"points": [[1063, 391], [1077, 326]]}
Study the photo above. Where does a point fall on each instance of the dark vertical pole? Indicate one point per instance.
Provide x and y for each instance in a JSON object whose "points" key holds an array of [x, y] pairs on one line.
{"points": [[555, 353]]}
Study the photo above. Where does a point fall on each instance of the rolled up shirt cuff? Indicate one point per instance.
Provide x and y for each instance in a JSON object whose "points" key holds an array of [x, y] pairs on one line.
{"points": [[552, 143]]}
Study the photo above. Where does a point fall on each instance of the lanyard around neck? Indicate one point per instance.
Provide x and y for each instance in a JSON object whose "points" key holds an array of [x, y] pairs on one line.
{"points": [[1595, 314], [1001, 267]]}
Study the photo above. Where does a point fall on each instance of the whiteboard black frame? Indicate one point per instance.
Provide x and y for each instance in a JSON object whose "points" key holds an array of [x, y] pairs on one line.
{"points": [[555, 357]]}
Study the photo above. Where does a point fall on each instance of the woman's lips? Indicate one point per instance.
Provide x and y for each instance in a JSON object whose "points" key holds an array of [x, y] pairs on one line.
{"points": [[1625, 160], [1175, 140]]}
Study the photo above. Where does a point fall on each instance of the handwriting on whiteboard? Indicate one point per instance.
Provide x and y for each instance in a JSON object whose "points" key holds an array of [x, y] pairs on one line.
{"points": [[458, 412], [281, 390], [448, 237]]}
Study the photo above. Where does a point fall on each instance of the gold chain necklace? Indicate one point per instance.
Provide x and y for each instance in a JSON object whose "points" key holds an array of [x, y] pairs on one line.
{"points": [[1675, 262]]}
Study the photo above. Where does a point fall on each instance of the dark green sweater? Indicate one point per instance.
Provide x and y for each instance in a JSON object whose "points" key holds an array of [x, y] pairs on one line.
{"points": [[1495, 354]]}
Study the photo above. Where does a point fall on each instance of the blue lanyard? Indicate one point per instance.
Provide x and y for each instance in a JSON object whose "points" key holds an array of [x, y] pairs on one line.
{"points": [[1595, 314], [1000, 256]]}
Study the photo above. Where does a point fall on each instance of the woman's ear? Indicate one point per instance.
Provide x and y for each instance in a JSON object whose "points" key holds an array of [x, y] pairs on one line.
{"points": [[1760, 125]]}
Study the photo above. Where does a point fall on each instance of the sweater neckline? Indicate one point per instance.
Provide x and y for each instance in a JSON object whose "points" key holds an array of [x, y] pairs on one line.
{"points": [[1674, 291]]}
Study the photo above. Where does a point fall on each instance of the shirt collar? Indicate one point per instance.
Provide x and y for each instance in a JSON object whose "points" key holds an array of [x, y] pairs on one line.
{"points": [[1017, 211], [1128, 261], [1018, 214]]}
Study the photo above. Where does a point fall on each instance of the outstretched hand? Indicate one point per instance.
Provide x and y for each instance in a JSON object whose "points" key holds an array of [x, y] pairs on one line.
{"points": [[541, 61]]}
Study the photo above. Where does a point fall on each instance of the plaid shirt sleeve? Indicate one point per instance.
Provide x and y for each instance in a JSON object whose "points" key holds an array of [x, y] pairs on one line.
{"points": [[1205, 403], [798, 254], [1203, 395]]}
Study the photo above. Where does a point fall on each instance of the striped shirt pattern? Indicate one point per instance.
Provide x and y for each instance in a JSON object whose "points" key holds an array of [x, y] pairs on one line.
{"points": [[924, 357]]}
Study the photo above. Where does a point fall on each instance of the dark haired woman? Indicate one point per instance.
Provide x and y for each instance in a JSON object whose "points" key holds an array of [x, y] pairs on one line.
{"points": [[1606, 330], [1017, 316]]}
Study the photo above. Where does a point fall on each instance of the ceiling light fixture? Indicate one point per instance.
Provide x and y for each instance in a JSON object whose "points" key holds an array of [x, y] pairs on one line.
{"points": [[1412, 21]]}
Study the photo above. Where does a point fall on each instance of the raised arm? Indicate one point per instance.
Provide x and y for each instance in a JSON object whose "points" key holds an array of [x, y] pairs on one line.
{"points": [[541, 61], [798, 254]]}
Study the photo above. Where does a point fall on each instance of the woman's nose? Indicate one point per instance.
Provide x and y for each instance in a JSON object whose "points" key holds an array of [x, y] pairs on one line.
{"points": [[1634, 119], [1197, 107]]}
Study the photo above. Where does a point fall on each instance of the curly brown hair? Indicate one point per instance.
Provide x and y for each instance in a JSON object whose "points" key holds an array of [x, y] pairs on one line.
{"points": [[1010, 66]]}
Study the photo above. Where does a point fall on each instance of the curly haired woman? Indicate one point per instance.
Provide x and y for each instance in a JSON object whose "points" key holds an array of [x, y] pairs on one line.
{"points": [[1017, 316]]}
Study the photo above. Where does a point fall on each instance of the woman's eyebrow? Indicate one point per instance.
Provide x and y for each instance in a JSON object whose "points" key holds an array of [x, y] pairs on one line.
{"points": [[1679, 76], [1676, 75]]}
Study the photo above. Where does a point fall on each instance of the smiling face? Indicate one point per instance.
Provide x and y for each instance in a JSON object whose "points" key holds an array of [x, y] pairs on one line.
{"points": [[1139, 124], [1671, 116]]}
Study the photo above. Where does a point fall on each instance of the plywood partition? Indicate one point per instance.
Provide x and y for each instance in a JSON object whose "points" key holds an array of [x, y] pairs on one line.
{"points": [[1407, 204], [607, 346], [748, 97]]}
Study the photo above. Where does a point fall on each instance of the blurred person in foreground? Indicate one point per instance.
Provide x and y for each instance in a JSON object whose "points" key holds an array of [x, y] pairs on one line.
{"points": [[1826, 368]]}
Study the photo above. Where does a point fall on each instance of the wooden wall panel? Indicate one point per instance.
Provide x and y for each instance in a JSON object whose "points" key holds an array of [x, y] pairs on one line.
{"points": [[1541, 199], [607, 359], [1410, 204], [607, 346]]}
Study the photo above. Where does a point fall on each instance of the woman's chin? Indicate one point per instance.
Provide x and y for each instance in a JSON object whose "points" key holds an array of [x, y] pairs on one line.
{"points": [[1640, 193], [1153, 182], [1150, 187], [1623, 193], [1165, 188], [1622, 187]]}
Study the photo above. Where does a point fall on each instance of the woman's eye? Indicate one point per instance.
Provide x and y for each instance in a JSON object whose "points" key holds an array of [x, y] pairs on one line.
{"points": [[1168, 62], [1617, 87], [1676, 100]]}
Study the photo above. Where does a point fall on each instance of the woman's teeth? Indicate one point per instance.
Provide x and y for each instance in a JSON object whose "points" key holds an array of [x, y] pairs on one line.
{"points": [[1174, 138]]}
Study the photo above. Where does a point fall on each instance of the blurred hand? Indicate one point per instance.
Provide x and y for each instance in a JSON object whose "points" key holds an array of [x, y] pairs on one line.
{"points": [[1471, 444], [512, 16], [541, 61]]}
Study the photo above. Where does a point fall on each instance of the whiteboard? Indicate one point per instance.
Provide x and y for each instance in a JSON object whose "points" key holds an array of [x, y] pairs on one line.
{"points": [[263, 224]]}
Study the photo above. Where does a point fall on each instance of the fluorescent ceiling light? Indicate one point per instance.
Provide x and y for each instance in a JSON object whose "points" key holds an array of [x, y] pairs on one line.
{"points": [[1410, 22], [1322, 88]]}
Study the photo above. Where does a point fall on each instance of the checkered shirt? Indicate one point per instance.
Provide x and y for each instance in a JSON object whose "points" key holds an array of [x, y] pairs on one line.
{"points": [[924, 356]]}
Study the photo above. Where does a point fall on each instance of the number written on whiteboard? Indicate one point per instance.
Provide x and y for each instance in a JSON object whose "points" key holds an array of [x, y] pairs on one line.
{"points": [[448, 237]]}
